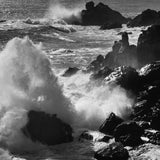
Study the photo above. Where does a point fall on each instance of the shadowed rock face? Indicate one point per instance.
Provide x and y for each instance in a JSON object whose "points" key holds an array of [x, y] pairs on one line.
{"points": [[128, 133], [47, 129], [100, 14], [146, 18], [110, 124], [147, 107], [148, 47]]}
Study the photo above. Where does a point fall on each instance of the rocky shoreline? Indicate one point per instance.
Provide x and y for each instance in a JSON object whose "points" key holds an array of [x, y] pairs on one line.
{"points": [[136, 69], [102, 15]]}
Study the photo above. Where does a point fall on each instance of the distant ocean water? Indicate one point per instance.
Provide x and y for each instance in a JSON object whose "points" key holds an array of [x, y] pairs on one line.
{"points": [[36, 8]]}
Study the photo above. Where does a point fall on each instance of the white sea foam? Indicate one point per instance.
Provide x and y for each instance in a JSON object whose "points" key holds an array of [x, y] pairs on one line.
{"points": [[27, 82]]}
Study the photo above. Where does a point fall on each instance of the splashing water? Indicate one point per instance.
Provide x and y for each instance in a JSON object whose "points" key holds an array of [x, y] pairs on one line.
{"points": [[26, 83], [94, 102], [58, 11]]}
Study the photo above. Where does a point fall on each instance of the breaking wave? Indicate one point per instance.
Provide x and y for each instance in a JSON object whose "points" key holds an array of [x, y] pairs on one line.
{"points": [[58, 11], [27, 83]]}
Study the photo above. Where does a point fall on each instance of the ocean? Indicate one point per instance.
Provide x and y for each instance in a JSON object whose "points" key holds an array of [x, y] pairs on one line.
{"points": [[31, 50]]}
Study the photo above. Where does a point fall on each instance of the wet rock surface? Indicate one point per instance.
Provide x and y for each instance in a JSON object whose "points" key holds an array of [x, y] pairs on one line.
{"points": [[113, 151], [47, 129], [128, 133], [110, 124]]}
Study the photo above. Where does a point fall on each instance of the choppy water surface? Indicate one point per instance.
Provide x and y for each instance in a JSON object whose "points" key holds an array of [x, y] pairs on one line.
{"points": [[26, 62]]}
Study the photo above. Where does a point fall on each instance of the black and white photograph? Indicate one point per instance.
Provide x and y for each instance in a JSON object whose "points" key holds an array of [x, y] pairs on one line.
{"points": [[79, 79]]}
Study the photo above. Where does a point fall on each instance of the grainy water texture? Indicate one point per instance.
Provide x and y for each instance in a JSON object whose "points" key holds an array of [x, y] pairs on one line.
{"points": [[32, 60]]}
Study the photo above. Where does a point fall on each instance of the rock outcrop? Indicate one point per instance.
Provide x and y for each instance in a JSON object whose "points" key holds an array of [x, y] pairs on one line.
{"points": [[47, 129], [128, 133], [110, 124], [148, 46], [146, 18], [147, 107], [114, 151], [100, 14]]}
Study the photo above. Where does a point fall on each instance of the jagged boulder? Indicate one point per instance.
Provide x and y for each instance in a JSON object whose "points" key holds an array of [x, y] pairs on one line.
{"points": [[128, 133], [47, 129], [100, 14], [148, 46], [146, 18], [114, 151], [110, 124]]}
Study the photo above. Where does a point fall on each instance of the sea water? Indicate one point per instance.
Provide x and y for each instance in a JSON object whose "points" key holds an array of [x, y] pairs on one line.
{"points": [[32, 60]]}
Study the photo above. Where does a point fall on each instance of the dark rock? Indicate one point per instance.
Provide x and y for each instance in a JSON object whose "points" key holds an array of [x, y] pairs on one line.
{"points": [[147, 107], [111, 26], [102, 73], [97, 64], [146, 18], [114, 151], [47, 129], [143, 124], [128, 133], [100, 14], [70, 71], [122, 54], [90, 5], [148, 47], [149, 74], [126, 77], [110, 124]]}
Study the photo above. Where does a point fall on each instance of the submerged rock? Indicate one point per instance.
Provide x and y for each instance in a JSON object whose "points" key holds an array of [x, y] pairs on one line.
{"points": [[110, 124], [100, 14], [146, 18], [114, 151], [70, 71], [47, 129], [128, 133]]}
